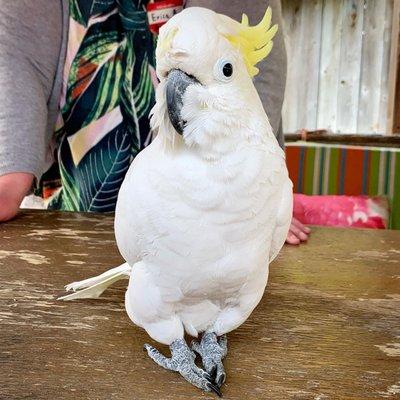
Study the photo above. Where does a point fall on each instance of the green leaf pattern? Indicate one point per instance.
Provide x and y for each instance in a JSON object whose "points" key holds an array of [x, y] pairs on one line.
{"points": [[109, 75]]}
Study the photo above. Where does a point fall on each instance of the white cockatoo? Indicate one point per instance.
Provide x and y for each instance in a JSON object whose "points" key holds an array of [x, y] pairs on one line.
{"points": [[207, 205]]}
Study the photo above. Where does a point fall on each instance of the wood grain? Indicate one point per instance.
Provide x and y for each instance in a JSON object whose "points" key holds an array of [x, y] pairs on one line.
{"points": [[329, 65], [307, 73], [328, 326], [352, 16], [323, 136], [291, 10], [302, 23], [374, 67], [393, 115], [338, 65]]}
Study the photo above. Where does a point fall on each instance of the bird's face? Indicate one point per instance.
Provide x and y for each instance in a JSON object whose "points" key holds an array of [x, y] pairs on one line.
{"points": [[207, 92]]}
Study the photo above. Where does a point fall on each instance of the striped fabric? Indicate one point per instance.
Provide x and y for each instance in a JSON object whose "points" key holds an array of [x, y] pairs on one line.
{"points": [[336, 169]]}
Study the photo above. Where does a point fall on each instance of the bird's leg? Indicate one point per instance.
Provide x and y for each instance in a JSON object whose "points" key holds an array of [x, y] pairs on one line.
{"points": [[182, 361], [212, 353]]}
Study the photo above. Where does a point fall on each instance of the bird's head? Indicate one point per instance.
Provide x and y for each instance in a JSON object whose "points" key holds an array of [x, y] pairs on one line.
{"points": [[205, 63]]}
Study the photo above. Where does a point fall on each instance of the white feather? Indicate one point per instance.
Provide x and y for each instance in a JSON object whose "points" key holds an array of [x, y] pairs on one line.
{"points": [[93, 287], [199, 217]]}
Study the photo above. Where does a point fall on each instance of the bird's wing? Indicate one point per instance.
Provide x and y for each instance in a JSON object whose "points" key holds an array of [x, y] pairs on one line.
{"points": [[144, 205], [284, 217]]}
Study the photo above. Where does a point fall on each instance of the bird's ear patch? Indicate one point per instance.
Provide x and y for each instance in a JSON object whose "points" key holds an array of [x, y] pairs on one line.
{"points": [[254, 42], [165, 40]]}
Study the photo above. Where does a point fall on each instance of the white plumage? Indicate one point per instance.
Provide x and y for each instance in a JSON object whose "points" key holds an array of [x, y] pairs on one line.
{"points": [[200, 216]]}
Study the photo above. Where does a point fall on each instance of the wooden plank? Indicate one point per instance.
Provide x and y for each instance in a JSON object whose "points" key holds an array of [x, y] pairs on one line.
{"points": [[384, 80], [352, 59], [329, 65], [347, 139], [352, 12], [307, 72], [327, 328], [291, 10], [394, 73], [372, 67]]}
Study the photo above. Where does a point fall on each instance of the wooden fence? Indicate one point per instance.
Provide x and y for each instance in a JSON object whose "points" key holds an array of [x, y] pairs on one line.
{"points": [[338, 65]]}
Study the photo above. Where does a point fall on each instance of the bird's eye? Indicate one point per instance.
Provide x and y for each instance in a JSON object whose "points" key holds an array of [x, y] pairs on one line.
{"points": [[223, 70], [227, 69]]}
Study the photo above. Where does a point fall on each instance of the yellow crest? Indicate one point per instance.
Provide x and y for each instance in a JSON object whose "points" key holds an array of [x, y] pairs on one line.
{"points": [[254, 42]]}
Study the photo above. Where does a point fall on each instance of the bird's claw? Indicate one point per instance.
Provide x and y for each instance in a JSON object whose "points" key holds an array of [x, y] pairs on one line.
{"points": [[182, 361], [215, 389], [212, 353]]}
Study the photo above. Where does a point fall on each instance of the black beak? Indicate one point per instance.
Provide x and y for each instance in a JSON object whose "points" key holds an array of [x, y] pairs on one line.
{"points": [[177, 83]]}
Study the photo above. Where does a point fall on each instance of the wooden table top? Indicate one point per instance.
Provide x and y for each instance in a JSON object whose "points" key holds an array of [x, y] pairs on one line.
{"points": [[328, 326]]}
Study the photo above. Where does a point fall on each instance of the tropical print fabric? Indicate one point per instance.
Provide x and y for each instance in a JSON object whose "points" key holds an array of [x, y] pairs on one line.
{"points": [[105, 101]]}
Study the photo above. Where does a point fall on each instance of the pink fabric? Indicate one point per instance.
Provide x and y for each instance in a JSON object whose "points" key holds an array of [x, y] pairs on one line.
{"points": [[348, 211]]}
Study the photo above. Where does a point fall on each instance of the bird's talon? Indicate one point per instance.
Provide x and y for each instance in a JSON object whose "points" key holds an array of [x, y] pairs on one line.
{"points": [[183, 361], [212, 351], [220, 380], [214, 389], [207, 376], [213, 372]]}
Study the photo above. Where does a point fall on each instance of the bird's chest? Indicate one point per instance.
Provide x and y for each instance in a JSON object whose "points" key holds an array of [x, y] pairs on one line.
{"points": [[218, 196], [214, 221]]}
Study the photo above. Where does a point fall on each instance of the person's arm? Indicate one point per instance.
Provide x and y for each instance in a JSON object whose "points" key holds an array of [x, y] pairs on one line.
{"points": [[30, 35], [23, 119], [13, 188]]}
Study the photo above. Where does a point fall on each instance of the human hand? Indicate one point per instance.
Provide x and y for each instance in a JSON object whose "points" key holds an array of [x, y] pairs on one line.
{"points": [[13, 188], [297, 232]]}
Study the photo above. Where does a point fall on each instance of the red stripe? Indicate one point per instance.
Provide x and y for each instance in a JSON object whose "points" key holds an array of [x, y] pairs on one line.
{"points": [[353, 172], [161, 4], [292, 162]]}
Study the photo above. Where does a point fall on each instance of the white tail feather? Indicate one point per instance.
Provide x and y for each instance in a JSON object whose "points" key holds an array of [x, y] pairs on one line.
{"points": [[93, 287]]}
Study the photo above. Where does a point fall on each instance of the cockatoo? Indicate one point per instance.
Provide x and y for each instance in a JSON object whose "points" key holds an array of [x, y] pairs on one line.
{"points": [[207, 205]]}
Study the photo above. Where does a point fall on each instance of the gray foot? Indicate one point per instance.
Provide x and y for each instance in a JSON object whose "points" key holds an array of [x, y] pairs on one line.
{"points": [[212, 353], [182, 361]]}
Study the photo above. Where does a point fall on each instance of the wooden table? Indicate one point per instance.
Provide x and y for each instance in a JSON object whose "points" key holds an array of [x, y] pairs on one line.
{"points": [[328, 326]]}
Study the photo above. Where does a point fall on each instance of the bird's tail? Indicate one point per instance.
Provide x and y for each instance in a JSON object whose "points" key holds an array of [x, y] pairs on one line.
{"points": [[92, 288]]}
